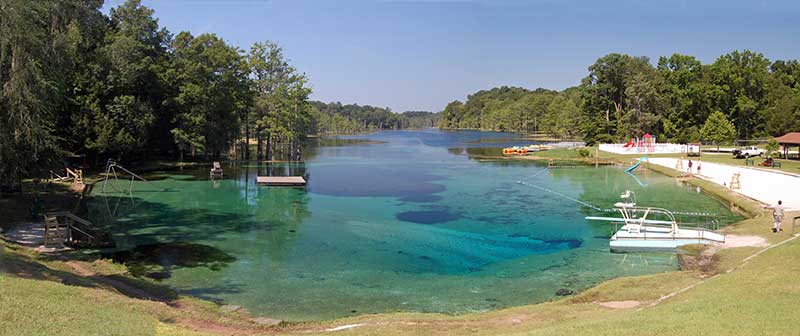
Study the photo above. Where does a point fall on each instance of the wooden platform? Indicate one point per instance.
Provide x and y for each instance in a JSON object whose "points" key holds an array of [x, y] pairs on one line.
{"points": [[281, 180]]}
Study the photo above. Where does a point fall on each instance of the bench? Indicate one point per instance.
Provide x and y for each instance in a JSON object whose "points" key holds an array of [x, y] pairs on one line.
{"points": [[776, 164], [749, 162]]}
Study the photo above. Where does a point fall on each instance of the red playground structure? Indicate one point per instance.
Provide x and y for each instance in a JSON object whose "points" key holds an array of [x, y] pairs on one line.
{"points": [[645, 144]]}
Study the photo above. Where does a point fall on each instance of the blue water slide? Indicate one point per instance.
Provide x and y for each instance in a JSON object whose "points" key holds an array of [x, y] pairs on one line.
{"points": [[635, 165]]}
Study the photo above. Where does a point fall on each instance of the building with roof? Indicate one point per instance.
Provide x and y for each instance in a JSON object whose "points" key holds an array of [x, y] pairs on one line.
{"points": [[791, 139]]}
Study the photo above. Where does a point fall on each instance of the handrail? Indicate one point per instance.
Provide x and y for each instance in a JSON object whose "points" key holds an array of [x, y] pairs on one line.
{"points": [[70, 216], [111, 168], [130, 172], [74, 218], [625, 209], [81, 231]]}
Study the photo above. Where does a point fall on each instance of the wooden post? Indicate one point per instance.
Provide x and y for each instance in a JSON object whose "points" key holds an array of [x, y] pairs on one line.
{"points": [[597, 156]]}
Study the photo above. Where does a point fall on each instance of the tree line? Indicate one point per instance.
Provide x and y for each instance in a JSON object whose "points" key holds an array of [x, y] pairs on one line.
{"points": [[625, 96], [78, 82], [336, 118]]}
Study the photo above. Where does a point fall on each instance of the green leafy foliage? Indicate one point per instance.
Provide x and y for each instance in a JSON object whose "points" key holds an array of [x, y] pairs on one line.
{"points": [[772, 147], [625, 96], [280, 113], [210, 80], [718, 129]]}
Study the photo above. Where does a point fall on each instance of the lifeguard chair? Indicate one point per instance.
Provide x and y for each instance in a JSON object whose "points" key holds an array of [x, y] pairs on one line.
{"points": [[216, 170]]}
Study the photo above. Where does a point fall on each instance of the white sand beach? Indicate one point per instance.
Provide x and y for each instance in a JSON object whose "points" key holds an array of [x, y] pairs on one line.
{"points": [[759, 184]]}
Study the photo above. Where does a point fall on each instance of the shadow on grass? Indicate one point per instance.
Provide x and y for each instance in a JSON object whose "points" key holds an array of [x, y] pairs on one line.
{"points": [[22, 266]]}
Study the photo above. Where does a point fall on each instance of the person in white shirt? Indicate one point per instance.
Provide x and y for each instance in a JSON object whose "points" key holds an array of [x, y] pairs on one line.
{"points": [[777, 216]]}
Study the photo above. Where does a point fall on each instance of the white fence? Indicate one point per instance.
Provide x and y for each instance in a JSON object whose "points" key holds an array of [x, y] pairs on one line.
{"points": [[659, 148]]}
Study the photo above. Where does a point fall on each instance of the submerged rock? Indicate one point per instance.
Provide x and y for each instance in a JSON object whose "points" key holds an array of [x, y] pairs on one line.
{"points": [[564, 292], [266, 321], [158, 275], [230, 308]]}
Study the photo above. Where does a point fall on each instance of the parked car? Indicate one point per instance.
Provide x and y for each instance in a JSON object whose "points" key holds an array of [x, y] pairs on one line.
{"points": [[747, 152]]}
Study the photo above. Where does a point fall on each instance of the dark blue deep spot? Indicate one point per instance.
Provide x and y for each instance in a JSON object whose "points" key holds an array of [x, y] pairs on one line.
{"points": [[356, 181], [421, 198], [427, 216]]}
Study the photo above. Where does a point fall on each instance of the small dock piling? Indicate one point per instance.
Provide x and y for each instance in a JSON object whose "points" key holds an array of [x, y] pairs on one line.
{"points": [[281, 181]]}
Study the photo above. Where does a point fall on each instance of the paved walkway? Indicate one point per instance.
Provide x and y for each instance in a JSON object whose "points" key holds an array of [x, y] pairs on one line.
{"points": [[767, 187]]}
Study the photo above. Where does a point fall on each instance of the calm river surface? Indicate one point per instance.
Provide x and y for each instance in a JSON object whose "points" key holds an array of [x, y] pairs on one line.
{"points": [[408, 224]]}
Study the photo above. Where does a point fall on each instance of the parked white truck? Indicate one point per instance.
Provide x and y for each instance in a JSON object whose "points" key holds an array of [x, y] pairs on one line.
{"points": [[747, 152]]}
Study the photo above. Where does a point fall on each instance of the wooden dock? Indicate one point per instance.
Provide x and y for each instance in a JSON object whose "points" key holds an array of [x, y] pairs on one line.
{"points": [[281, 181]]}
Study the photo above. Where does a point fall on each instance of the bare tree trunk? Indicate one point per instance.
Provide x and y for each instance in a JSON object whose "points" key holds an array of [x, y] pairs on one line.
{"points": [[269, 146], [246, 149], [259, 153]]}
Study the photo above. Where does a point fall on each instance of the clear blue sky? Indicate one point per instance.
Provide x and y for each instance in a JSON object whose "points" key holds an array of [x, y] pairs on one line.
{"points": [[420, 55]]}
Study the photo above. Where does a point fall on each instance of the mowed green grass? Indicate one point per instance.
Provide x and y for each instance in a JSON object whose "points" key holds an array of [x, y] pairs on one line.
{"points": [[760, 298], [39, 296], [42, 307]]}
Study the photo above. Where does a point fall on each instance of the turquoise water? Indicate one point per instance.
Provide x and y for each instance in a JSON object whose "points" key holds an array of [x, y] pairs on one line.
{"points": [[410, 224]]}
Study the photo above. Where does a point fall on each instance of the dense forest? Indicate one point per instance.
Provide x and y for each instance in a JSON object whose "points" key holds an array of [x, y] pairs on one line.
{"points": [[78, 82], [335, 118], [625, 96]]}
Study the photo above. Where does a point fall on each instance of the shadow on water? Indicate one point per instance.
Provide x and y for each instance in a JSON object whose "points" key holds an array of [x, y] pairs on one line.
{"points": [[232, 170], [157, 260], [271, 216], [213, 293]]}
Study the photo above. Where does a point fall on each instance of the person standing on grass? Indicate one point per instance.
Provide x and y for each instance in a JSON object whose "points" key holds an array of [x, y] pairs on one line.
{"points": [[777, 215]]}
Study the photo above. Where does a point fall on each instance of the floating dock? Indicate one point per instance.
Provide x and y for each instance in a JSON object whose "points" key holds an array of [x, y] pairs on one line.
{"points": [[640, 233], [631, 238], [281, 181]]}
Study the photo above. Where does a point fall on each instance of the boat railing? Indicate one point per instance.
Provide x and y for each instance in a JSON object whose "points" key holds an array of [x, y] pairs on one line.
{"points": [[630, 216]]}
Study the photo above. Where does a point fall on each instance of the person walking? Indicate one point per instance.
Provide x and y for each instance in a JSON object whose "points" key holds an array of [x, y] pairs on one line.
{"points": [[690, 167], [698, 167], [777, 216]]}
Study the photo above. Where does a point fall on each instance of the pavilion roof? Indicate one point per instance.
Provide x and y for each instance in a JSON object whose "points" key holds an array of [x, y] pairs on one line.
{"points": [[789, 138]]}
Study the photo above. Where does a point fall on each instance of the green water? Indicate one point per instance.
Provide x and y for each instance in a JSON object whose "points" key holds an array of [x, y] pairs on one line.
{"points": [[411, 224]]}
